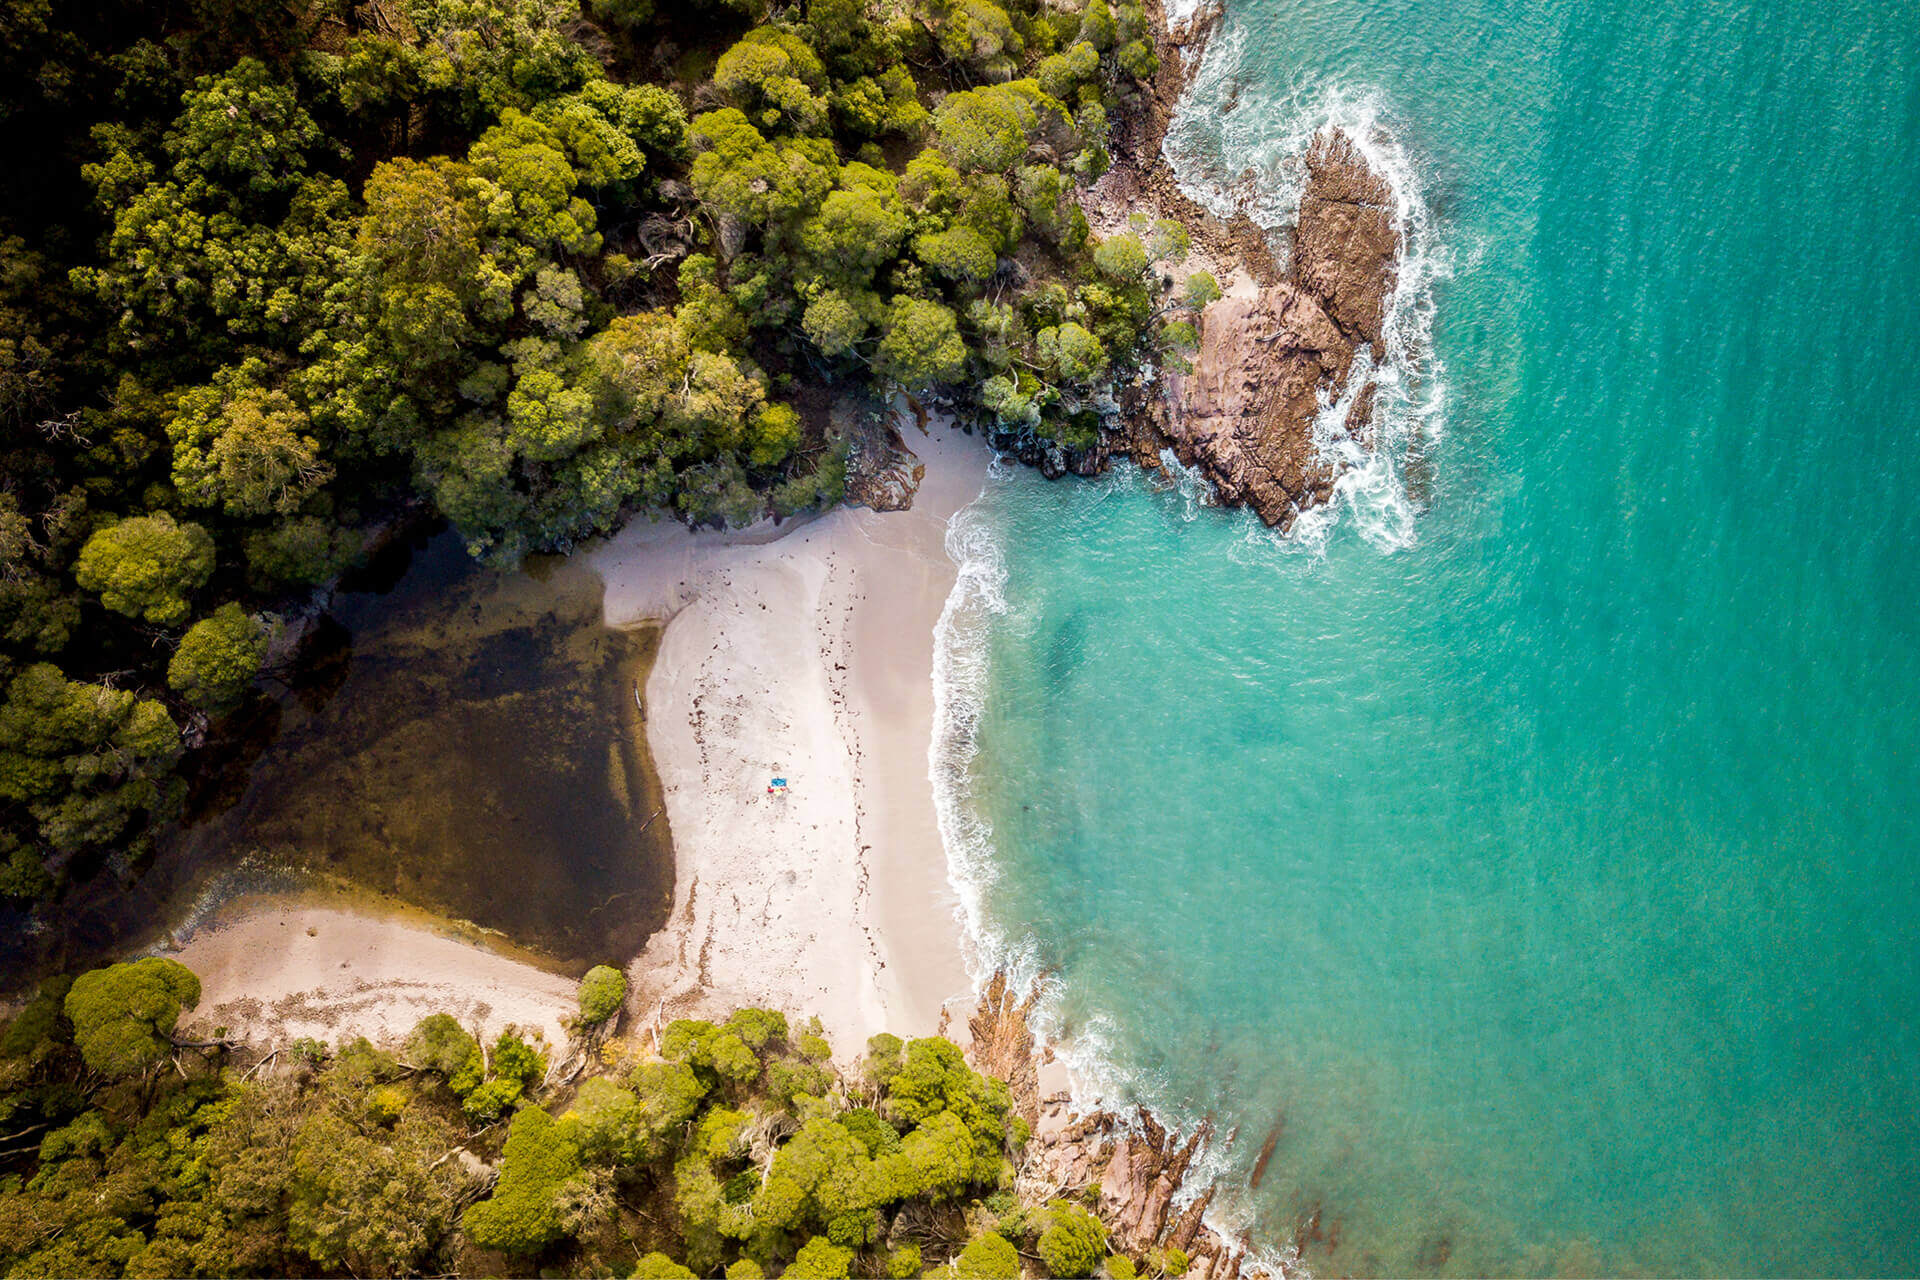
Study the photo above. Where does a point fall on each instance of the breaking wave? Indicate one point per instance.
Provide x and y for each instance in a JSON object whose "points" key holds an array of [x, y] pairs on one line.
{"points": [[1237, 145]]}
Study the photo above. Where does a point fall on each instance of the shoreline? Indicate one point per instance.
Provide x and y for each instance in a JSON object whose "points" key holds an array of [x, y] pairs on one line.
{"points": [[804, 653], [332, 963]]}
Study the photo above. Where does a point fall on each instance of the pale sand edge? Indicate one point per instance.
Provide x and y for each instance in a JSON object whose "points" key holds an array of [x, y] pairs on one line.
{"points": [[277, 967], [810, 656]]}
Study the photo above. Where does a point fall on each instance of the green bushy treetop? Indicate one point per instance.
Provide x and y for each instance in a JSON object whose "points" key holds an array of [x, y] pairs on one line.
{"points": [[988, 1257], [602, 992], [146, 567], [1074, 1241], [218, 658], [123, 1016]]}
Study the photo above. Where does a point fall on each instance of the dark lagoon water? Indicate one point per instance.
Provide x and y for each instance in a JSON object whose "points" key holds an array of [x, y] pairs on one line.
{"points": [[1539, 852], [464, 741]]}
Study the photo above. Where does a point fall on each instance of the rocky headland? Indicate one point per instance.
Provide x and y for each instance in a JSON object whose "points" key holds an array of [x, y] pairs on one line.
{"points": [[1292, 335], [1272, 359], [1140, 1167]]}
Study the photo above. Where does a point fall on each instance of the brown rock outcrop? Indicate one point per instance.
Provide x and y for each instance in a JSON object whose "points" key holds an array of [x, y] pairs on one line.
{"points": [[1140, 1167], [1267, 362]]}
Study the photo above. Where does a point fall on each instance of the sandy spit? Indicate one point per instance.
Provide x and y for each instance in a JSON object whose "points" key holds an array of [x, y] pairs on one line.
{"points": [[274, 968], [804, 653]]}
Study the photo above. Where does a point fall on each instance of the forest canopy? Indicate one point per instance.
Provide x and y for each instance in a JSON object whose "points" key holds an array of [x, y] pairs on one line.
{"points": [[701, 1148], [274, 278]]}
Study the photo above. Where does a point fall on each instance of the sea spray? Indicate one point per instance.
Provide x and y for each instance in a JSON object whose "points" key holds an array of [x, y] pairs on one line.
{"points": [[960, 675], [1236, 145], [1087, 1044]]}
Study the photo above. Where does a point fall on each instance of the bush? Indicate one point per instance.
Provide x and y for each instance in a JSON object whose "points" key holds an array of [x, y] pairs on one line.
{"points": [[218, 658], [658, 1266], [989, 1257], [1074, 1242], [1167, 1262], [904, 1263], [820, 1259], [539, 1171], [440, 1044], [601, 993]]}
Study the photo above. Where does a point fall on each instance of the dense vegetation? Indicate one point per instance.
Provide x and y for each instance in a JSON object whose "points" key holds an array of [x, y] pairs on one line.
{"points": [[272, 273], [735, 1147]]}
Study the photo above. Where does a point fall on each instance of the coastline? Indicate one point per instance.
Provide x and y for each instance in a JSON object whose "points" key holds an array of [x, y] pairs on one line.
{"points": [[333, 964], [804, 652]]}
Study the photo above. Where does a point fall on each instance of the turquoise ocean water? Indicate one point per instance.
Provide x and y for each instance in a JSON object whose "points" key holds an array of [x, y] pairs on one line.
{"points": [[1537, 839]]}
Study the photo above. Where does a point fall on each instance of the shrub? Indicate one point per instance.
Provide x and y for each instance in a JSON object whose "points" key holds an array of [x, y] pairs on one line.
{"points": [[1074, 1242], [904, 1262], [988, 1257], [123, 1015], [539, 1171], [820, 1259], [601, 993]]}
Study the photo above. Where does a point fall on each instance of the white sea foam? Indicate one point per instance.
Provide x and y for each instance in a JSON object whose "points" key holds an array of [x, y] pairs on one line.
{"points": [[1223, 115], [1237, 146], [961, 658]]}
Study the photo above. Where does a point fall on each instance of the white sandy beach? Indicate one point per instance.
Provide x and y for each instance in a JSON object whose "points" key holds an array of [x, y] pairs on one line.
{"points": [[274, 968], [804, 653]]}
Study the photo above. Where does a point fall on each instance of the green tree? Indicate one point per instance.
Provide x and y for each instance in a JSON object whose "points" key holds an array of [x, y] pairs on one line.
{"points": [[820, 1259], [146, 567], [218, 658], [440, 1044], [859, 226], [123, 1016], [302, 552], [988, 1257], [669, 1094], [367, 1206], [658, 1266], [921, 345], [961, 254], [775, 77], [84, 760], [1201, 288], [539, 1170], [1071, 352], [250, 451], [602, 992], [833, 322], [739, 173], [1074, 1242]]}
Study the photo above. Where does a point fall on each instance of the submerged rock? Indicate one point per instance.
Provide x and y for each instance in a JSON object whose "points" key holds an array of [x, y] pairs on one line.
{"points": [[1269, 359]]}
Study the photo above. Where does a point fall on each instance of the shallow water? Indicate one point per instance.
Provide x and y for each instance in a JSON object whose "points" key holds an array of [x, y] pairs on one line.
{"points": [[1541, 851], [462, 740]]}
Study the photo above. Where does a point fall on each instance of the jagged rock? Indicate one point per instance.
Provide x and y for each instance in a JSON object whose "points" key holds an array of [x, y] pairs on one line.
{"points": [[1268, 362], [883, 474], [1141, 1167], [1002, 1044], [1345, 245]]}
